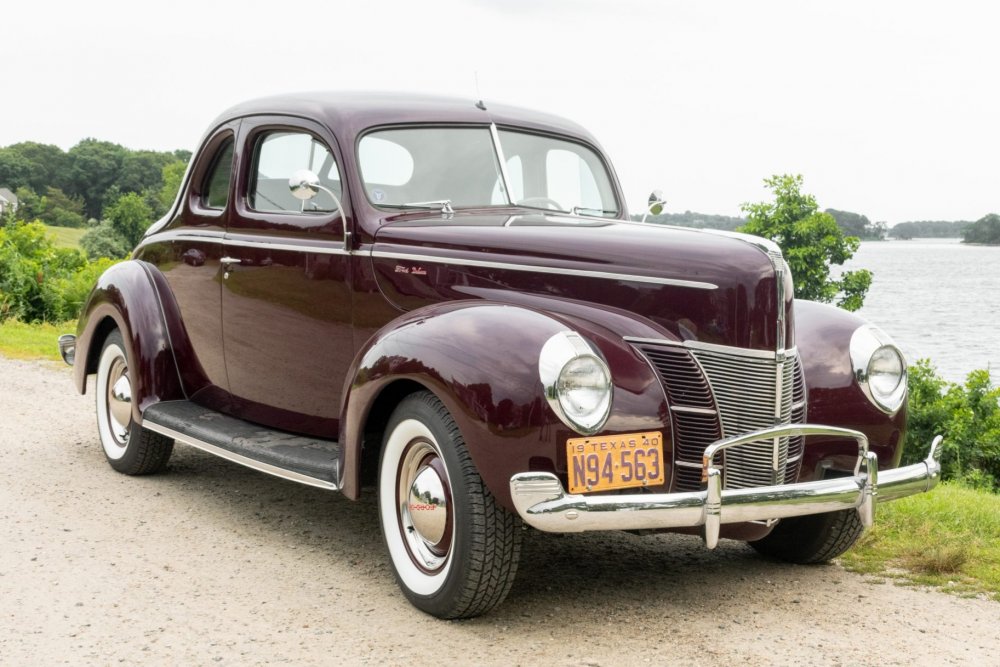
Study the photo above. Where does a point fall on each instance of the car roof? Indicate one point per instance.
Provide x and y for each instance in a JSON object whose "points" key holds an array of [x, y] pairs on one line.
{"points": [[354, 112]]}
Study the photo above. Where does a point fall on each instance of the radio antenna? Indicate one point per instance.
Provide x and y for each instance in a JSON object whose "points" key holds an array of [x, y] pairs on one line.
{"points": [[480, 104]]}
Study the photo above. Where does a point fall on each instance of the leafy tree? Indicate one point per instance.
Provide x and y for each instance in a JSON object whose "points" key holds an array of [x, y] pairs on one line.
{"points": [[53, 208], [855, 224], [15, 170], [985, 230], [811, 242], [142, 170], [173, 174], [130, 216], [94, 166], [104, 241], [47, 165], [29, 205]]}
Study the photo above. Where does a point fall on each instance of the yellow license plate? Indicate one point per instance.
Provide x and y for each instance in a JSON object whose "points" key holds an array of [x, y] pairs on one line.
{"points": [[615, 462]]}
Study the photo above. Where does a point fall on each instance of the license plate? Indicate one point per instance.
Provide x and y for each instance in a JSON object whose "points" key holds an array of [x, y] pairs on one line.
{"points": [[615, 462]]}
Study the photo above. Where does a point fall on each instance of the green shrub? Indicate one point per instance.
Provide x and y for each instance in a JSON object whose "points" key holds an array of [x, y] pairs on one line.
{"points": [[68, 293], [38, 281], [103, 240], [968, 416]]}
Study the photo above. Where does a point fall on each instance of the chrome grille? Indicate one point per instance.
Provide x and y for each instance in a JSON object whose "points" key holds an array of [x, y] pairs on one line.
{"points": [[717, 393]]}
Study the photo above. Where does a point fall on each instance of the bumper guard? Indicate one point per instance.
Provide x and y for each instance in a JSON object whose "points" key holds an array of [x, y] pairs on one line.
{"points": [[543, 503]]}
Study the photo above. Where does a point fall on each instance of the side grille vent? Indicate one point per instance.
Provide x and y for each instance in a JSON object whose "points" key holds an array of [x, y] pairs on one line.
{"points": [[714, 394], [692, 410]]}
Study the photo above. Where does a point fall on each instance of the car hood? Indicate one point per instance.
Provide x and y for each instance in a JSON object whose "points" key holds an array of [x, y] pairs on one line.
{"points": [[712, 287]]}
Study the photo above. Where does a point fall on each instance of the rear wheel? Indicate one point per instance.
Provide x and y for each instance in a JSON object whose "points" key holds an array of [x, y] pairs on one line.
{"points": [[453, 549], [129, 448], [816, 538]]}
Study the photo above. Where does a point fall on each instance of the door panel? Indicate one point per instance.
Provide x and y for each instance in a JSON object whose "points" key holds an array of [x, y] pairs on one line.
{"points": [[286, 298]]}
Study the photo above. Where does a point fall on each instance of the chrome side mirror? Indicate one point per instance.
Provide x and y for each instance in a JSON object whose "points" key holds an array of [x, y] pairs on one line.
{"points": [[655, 205], [304, 184]]}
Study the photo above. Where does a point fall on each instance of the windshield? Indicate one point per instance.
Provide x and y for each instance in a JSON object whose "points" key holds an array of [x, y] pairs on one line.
{"points": [[424, 166]]}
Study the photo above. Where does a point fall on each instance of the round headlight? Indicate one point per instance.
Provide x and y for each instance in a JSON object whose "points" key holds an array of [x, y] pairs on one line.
{"points": [[879, 368], [577, 382], [584, 389], [885, 371]]}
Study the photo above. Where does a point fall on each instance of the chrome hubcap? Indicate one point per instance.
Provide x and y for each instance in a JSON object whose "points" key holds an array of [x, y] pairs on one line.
{"points": [[428, 506], [119, 401], [425, 506]]}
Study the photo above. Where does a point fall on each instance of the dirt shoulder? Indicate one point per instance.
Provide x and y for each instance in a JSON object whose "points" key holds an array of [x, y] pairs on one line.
{"points": [[211, 563]]}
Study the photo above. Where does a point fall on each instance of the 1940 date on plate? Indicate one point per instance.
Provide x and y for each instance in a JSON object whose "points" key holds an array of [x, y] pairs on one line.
{"points": [[618, 461]]}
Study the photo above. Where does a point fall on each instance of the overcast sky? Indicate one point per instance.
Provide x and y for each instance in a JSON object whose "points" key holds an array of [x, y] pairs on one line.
{"points": [[890, 109]]}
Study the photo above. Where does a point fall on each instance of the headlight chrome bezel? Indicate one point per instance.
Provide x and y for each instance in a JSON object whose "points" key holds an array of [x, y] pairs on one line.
{"points": [[557, 353], [866, 342]]}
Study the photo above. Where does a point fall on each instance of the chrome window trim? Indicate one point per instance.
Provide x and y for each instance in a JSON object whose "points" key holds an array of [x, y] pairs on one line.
{"points": [[223, 240], [253, 243], [502, 159], [382, 254]]}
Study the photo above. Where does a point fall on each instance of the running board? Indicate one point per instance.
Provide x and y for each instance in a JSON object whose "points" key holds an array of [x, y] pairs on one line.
{"points": [[305, 460]]}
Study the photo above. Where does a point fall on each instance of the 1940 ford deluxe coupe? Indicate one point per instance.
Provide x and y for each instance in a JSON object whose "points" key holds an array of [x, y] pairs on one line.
{"points": [[448, 301]]}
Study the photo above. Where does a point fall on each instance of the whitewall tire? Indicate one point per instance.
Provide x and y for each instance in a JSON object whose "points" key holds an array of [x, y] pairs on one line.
{"points": [[129, 448], [454, 551]]}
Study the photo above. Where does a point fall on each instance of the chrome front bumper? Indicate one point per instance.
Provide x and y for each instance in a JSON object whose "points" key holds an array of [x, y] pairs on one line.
{"points": [[542, 502]]}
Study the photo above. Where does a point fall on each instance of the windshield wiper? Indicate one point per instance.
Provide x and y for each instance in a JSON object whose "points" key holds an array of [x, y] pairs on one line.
{"points": [[547, 209], [577, 210], [443, 204]]}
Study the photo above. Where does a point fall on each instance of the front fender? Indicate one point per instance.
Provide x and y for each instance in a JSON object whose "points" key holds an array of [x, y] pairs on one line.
{"points": [[481, 360], [823, 336], [125, 298]]}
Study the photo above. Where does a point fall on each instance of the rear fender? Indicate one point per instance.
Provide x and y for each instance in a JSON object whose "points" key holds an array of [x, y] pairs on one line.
{"points": [[125, 298]]}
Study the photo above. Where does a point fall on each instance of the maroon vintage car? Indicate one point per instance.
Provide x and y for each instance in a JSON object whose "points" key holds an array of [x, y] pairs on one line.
{"points": [[448, 301]]}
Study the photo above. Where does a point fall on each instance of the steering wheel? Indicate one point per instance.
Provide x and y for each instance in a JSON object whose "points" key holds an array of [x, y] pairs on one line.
{"points": [[541, 202]]}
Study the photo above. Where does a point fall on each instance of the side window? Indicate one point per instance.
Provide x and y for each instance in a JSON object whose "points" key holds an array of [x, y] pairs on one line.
{"points": [[215, 194], [277, 156]]}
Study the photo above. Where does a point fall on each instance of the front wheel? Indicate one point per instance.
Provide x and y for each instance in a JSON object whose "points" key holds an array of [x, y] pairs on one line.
{"points": [[453, 549], [129, 448], [816, 538]]}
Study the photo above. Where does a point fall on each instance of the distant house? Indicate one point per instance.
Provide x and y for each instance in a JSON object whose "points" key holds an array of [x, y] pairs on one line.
{"points": [[7, 200]]}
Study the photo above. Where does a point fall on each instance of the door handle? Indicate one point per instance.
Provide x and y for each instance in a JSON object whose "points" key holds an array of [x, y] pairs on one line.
{"points": [[229, 260]]}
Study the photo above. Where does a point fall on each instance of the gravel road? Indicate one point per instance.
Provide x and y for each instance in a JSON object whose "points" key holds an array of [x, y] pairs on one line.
{"points": [[211, 563]]}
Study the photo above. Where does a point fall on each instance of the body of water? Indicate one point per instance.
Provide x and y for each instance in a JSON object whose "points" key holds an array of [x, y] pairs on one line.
{"points": [[939, 299]]}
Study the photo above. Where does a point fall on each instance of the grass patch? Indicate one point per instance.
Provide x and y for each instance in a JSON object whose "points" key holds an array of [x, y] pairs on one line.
{"points": [[32, 341], [66, 237], [948, 538]]}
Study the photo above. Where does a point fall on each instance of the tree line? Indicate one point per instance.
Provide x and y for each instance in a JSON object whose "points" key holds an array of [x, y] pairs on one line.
{"points": [[930, 229], [851, 224], [113, 191], [985, 230]]}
